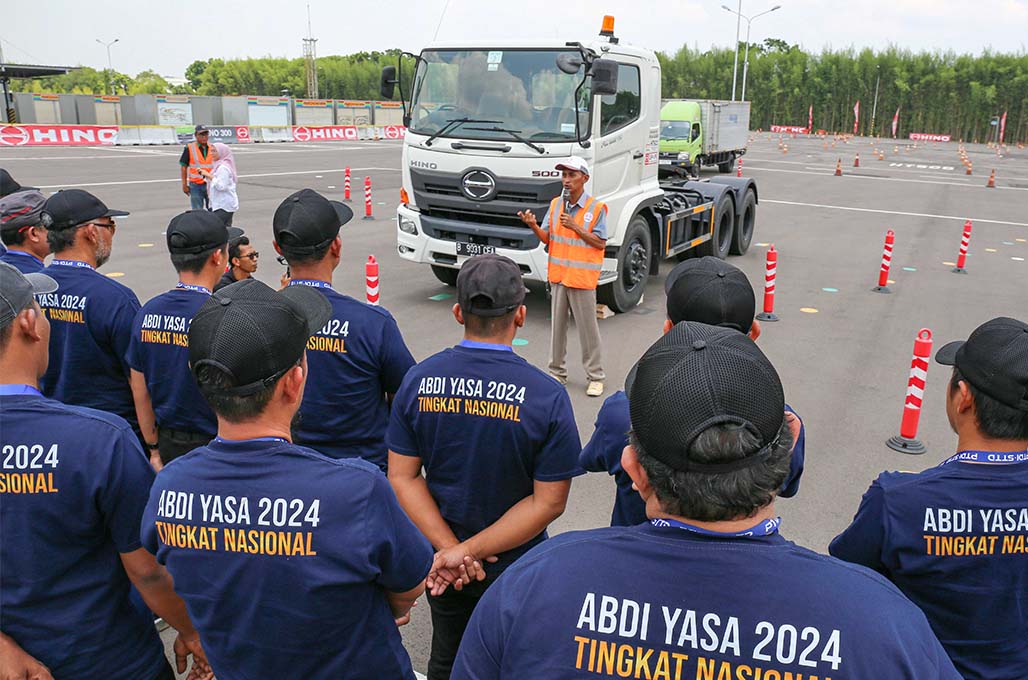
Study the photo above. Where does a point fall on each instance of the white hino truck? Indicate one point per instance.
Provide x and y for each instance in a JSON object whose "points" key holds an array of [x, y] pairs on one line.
{"points": [[487, 123]]}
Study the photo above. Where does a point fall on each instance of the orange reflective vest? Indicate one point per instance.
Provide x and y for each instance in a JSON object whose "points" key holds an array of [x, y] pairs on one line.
{"points": [[573, 262], [198, 160]]}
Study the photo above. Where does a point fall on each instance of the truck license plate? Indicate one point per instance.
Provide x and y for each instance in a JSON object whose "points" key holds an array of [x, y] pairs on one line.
{"points": [[472, 249]]}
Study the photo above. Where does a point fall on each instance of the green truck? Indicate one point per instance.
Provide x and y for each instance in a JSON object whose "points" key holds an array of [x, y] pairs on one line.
{"points": [[700, 132]]}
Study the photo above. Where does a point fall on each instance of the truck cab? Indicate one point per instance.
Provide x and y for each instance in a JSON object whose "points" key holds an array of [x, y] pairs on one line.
{"points": [[681, 134]]}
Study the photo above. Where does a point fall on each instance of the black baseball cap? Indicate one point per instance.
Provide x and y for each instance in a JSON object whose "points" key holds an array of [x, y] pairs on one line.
{"points": [[255, 334], [71, 207], [199, 129], [307, 221], [711, 291], [697, 376], [8, 185], [994, 359], [196, 231], [490, 285], [17, 289]]}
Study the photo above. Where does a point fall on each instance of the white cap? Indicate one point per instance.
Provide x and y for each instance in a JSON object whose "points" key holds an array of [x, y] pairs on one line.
{"points": [[575, 163]]}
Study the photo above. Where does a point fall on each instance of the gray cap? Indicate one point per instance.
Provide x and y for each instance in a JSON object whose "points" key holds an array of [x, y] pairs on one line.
{"points": [[22, 209], [17, 289]]}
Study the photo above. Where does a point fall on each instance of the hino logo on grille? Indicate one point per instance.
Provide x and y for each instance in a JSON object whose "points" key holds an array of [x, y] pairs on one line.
{"points": [[478, 185]]}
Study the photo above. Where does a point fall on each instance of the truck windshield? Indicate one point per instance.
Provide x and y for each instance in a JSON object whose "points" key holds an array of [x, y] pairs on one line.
{"points": [[674, 129], [522, 90]]}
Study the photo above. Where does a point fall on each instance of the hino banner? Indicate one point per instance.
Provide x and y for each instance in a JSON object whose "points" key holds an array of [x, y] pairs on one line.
{"points": [[58, 135]]}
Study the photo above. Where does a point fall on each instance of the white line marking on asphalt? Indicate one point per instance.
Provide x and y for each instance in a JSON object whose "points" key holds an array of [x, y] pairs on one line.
{"points": [[960, 218], [881, 179], [158, 181]]}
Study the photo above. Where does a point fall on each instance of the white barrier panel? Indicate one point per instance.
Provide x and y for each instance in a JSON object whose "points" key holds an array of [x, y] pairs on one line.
{"points": [[267, 133], [156, 135], [128, 136]]}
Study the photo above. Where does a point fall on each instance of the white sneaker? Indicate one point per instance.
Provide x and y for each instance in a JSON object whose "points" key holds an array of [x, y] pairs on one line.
{"points": [[595, 388]]}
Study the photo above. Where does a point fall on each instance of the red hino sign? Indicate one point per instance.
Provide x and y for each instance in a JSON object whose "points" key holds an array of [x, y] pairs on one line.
{"points": [[58, 135], [925, 137], [325, 133], [794, 129]]}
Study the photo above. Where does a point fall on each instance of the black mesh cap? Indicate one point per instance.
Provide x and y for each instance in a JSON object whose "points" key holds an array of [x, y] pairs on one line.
{"points": [[994, 359], [711, 291], [490, 285], [254, 333], [697, 376], [307, 221]]}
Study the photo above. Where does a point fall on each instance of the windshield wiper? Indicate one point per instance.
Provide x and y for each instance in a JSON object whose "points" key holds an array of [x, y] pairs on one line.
{"points": [[514, 135], [451, 124]]}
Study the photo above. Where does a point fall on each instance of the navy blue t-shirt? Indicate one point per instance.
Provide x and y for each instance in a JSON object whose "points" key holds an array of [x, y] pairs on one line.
{"points": [[486, 425], [90, 328], [24, 262], [159, 349], [610, 437], [73, 486], [662, 602], [283, 557], [353, 361], [954, 539]]}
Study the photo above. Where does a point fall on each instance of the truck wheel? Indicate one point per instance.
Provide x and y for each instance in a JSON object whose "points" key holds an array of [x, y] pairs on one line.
{"points": [[724, 227], [744, 229], [447, 275], [727, 165], [633, 268]]}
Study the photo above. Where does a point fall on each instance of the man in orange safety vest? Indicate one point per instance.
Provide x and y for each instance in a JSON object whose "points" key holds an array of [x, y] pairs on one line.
{"points": [[575, 227], [195, 157]]}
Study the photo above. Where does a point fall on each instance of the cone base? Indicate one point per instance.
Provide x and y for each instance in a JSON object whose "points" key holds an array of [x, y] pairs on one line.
{"points": [[959, 270], [881, 289], [368, 217], [909, 446], [767, 316]]}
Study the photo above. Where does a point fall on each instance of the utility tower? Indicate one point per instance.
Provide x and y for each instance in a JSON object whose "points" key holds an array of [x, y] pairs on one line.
{"points": [[310, 59]]}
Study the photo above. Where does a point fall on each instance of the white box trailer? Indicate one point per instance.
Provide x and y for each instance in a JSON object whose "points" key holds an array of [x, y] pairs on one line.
{"points": [[702, 132]]}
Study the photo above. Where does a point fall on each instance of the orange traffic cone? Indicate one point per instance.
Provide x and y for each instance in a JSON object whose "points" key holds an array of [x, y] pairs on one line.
{"points": [[969, 165], [856, 161], [992, 180], [838, 168], [881, 155]]}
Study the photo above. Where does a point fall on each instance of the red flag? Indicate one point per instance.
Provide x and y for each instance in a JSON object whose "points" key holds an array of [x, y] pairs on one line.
{"points": [[856, 116], [895, 122], [810, 120], [1002, 126]]}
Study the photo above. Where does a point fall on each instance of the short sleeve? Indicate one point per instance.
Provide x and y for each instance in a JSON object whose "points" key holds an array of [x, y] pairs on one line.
{"points": [[609, 438], [184, 158], [122, 326], [480, 656], [600, 228], [792, 482], [133, 355], [395, 358], [123, 498], [545, 224], [401, 554], [863, 541], [400, 435], [557, 459]]}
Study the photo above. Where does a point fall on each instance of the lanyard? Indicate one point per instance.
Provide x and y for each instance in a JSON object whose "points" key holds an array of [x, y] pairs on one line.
{"points": [[189, 286], [310, 282], [71, 263], [765, 528], [991, 457], [255, 439], [11, 390], [485, 345]]}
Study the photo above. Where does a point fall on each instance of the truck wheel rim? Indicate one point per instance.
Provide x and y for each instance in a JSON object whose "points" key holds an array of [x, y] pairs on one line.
{"points": [[636, 264]]}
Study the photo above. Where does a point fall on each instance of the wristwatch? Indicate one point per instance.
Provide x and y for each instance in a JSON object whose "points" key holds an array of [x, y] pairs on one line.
{"points": [[151, 447]]}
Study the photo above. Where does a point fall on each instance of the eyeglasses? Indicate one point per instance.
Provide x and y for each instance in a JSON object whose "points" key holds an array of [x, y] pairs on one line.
{"points": [[252, 256], [106, 225]]}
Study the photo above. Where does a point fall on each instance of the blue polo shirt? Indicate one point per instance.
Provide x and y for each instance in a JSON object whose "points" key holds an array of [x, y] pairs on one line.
{"points": [[610, 437], [663, 602], [90, 328], [159, 349], [26, 263], [954, 539], [283, 557], [486, 425], [353, 362], [73, 485]]}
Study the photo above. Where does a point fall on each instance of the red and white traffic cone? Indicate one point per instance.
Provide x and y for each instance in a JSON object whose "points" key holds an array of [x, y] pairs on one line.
{"points": [[856, 161], [371, 280], [738, 173], [965, 241], [346, 185], [367, 199], [907, 441], [883, 273], [992, 180], [838, 167], [770, 273]]}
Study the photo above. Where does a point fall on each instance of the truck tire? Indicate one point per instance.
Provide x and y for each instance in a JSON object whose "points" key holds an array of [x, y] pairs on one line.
{"points": [[633, 268], [724, 228], [446, 275], [727, 165], [744, 228]]}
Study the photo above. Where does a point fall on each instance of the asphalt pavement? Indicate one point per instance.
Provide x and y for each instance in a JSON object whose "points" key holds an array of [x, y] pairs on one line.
{"points": [[843, 351]]}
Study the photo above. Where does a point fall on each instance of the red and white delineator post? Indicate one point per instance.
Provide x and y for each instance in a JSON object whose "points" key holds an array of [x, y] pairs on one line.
{"points": [[883, 272], [965, 242], [371, 280], [770, 273], [906, 441]]}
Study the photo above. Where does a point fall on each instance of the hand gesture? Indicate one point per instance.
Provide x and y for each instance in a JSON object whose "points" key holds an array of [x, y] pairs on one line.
{"points": [[455, 566], [528, 218], [568, 222]]}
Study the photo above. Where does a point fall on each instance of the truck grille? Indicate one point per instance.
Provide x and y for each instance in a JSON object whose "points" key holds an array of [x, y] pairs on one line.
{"points": [[438, 194]]}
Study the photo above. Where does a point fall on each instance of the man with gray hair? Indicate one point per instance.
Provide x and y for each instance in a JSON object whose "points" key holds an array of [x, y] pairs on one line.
{"points": [[707, 588], [22, 231]]}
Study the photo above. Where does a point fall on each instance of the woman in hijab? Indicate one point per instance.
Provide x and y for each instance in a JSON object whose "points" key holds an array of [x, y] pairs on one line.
{"points": [[221, 182]]}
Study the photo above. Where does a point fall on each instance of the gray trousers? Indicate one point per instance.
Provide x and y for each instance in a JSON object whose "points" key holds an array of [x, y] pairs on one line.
{"points": [[565, 303]]}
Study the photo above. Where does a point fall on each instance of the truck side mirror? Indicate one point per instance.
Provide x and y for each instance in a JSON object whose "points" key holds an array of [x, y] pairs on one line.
{"points": [[388, 83], [605, 77]]}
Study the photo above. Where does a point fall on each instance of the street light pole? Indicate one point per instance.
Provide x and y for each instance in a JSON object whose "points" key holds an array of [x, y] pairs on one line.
{"points": [[735, 67], [874, 107], [746, 58], [110, 67]]}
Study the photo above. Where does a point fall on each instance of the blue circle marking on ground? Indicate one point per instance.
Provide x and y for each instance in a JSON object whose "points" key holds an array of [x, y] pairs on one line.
{"points": [[520, 342], [910, 269], [441, 296], [830, 290]]}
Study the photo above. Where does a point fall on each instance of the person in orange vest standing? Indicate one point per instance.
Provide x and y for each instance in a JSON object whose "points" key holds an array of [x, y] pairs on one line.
{"points": [[196, 157], [575, 228]]}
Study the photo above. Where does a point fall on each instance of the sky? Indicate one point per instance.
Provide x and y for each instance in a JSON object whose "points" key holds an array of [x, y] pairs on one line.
{"points": [[167, 36]]}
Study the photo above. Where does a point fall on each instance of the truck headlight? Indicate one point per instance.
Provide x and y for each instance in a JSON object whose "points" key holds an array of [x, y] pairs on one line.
{"points": [[684, 156], [407, 226]]}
